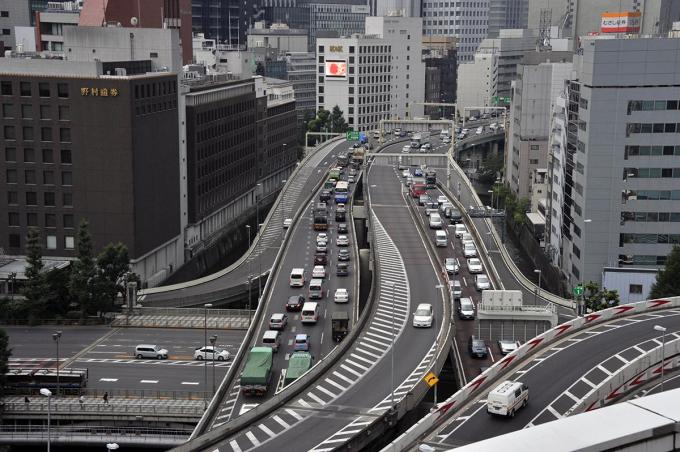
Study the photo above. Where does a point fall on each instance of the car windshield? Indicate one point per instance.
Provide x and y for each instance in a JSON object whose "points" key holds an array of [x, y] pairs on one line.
{"points": [[423, 311], [483, 279], [474, 261]]}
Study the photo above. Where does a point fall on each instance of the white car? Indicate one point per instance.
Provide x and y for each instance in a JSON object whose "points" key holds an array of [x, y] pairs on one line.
{"points": [[469, 250], [287, 223], [479, 130], [406, 149], [425, 147], [466, 237], [341, 296], [423, 316], [459, 230], [405, 173], [321, 247], [446, 140], [474, 265], [452, 266], [508, 346], [322, 237], [319, 271], [482, 282], [209, 353], [350, 179], [342, 240], [441, 199]]}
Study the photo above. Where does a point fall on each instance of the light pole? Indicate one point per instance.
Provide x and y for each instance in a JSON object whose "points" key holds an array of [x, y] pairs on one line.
{"points": [[205, 346], [436, 344], [392, 353], [213, 339], [47, 393], [56, 336], [539, 284], [662, 330]]}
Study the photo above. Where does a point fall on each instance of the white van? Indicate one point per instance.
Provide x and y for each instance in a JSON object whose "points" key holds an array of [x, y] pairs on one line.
{"points": [[310, 312], [440, 238], [272, 338], [507, 398], [297, 277], [315, 289], [435, 221], [460, 230], [150, 351]]}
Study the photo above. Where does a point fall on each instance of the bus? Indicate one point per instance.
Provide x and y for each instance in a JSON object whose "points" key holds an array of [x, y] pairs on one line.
{"points": [[320, 217], [431, 179], [71, 380], [341, 192]]}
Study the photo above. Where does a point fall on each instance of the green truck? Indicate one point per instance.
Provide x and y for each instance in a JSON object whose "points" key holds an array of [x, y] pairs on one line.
{"points": [[298, 364], [334, 174], [257, 373]]}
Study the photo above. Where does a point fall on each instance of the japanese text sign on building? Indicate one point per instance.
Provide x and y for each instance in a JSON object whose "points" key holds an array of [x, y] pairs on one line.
{"points": [[99, 92]]}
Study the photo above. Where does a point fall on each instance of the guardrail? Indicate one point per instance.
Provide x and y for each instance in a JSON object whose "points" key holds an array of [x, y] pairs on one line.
{"points": [[129, 394], [294, 389], [215, 402], [482, 382], [101, 408], [630, 377], [37, 434]]}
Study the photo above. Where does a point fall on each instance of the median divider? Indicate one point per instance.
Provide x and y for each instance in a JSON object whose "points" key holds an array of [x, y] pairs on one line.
{"points": [[249, 418], [475, 388]]}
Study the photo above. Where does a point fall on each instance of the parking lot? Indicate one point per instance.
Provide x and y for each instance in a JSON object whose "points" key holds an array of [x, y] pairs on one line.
{"points": [[108, 354]]}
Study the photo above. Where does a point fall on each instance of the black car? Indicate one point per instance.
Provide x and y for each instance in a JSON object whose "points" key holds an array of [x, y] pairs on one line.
{"points": [[295, 303], [340, 215], [325, 195], [320, 259], [342, 228], [343, 254], [343, 269]]}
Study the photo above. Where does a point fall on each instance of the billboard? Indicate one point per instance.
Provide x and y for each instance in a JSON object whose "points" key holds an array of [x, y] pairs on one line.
{"points": [[621, 22], [336, 68]]}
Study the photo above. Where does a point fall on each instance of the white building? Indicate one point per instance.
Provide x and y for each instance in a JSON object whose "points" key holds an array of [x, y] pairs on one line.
{"points": [[279, 37], [373, 76], [477, 82], [466, 20], [409, 8]]}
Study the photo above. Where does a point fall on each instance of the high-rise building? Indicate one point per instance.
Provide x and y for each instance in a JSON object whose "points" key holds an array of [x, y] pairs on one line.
{"points": [[467, 21], [226, 21], [13, 13], [301, 71], [441, 69], [408, 8], [507, 14], [624, 115], [477, 82]]}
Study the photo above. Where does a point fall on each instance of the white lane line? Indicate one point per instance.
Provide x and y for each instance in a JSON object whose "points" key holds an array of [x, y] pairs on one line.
{"points": [[193, 383], [304, 403], [364, 344], [234, 445], [148, 381], [350, 370], [382, 344], [366, 352], [316, 398], [356, 364], [326, 391], [252, 438], [342, 377], [281, 422], [108, 379], [294, 414], [267, 430], [333, 383], [355, 356]]}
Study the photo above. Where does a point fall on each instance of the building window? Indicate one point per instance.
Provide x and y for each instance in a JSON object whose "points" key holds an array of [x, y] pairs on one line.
{"points": [[13, 219], [66, 178], [10, 154], [6, 88], [27, 111], [66, 156], [12, 198], [14, 241], [68, 221], [51, 242], [62, 90], [48, 178], [25, 88], [9, 133], [11, 176], [67, 199], [31, 219], [65, 135], [7, 110], [28, 133], [45, 112], [46, 134], [50, 220], [49, 198], [44, 89], [69, 242], [31, 198], [64, 113], [47, 156], [635, 289], [29, 177], [29, 155]]}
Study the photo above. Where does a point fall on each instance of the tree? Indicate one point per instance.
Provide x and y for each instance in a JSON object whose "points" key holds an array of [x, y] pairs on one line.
{"points": [[596, 299], [491, 167], [337, 122], [113, 273], [5, 353], [667, 282], [36, 287], [83, 271]]}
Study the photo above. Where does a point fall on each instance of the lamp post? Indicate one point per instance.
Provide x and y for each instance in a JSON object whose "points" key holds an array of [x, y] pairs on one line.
{"points": [[662, 330], [539, 284], [47, 393], [205, 346], [56, 336], [250, 272], [12, 278], [213, 339]]}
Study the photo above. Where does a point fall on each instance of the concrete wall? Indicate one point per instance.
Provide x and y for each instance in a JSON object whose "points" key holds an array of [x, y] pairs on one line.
{"points": [[18, 16]]}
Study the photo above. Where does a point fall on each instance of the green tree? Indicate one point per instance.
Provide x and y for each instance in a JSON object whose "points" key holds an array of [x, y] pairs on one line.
{"points": [[337, 122], [5, 353], [35, 287], [491, 167], [113, 273], [520, 210], [667, 282], [83, 271], [597, 299]]}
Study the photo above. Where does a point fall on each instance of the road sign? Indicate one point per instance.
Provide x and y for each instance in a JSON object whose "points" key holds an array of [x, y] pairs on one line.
{"points": [[431, 379], [578, 291], [352, 135]]}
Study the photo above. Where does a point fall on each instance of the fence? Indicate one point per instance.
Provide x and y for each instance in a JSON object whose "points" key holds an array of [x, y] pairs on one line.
{"points": [[122, 408]]}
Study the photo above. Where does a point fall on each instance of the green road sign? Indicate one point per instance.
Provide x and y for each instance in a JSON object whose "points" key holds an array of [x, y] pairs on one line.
{"points": [[578, 291], [352, 136]]}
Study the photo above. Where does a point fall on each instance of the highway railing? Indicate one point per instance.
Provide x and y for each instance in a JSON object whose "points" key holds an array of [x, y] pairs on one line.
{"points": [[449, 408], [226, 383], [157, 317], [201, 439], [100, 408], [255, 243], [115, 394], [99, 435]]}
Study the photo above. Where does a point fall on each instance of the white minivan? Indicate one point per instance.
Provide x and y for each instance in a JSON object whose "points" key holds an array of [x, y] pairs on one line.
{"points": [[315, 289], [460, 230], [435, 221], [310, 312], [297, 277], [440, 238], [507, 398]]}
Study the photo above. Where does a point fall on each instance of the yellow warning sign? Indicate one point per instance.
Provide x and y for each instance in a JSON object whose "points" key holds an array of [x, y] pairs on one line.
{"points": [[431, 379]]}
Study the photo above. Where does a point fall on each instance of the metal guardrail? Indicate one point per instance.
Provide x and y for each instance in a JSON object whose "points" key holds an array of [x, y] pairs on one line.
{"points": [[451, 407], [38, 433], [128, 394], [523, 308], [101, 408], [190, 312]]}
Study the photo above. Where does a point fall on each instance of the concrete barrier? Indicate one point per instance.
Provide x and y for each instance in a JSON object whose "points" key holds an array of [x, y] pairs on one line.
{"points": [[504, 366]]}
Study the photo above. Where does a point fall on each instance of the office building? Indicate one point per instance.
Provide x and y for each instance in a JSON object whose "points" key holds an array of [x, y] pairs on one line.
{"points": [[80, 144], [441, 69], [540, 79], [301, 71], [622, 135], [407, 8], [279, 37], [467, 21], [367, 78], [50, 24], [341, 18], [163, 14], [477, 83], [13, 13], [226, 21], [507, 14]]}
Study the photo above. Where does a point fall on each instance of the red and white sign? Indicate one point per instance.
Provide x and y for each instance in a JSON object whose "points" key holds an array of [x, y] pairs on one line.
{"points": [[621, 22], [336, 68]]}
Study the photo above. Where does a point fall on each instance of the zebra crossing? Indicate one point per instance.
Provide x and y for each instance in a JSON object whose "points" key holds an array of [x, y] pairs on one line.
{"points": [[387, 324], [153, 362]]}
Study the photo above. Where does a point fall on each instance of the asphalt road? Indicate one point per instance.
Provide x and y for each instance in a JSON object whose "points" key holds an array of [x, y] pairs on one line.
{"points": [[299, 254], [315, 169], [554, 371]]}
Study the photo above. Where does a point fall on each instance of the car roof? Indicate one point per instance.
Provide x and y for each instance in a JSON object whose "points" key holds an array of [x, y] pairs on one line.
{"points": [[294, 298], [341, 289], [270, 333], [424, 306], [277, 315], [301, 336]]}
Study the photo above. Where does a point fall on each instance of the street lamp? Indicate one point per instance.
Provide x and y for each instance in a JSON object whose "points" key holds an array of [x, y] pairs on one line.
{"points": [[662, 330], [539, 284], [112, 446], [205, 345], [56, 336], [47, 393], [213, 339]]}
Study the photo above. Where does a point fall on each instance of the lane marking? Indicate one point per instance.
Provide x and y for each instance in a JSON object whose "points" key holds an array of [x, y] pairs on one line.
{"points": [[108, 379], [148, 381]]}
